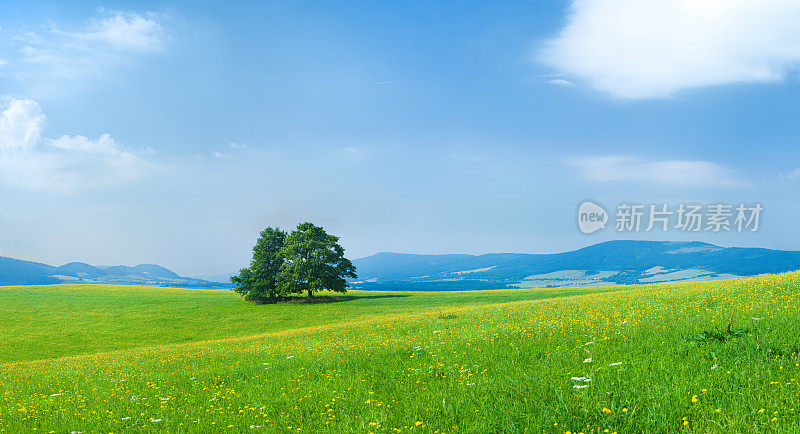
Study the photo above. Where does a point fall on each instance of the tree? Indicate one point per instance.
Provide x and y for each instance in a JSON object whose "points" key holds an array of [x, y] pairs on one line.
{"points": [[313, 261], [259, 281]]}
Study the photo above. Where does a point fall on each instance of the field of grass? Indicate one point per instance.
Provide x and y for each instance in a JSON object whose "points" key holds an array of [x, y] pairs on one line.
{"points": [[692, 357]]}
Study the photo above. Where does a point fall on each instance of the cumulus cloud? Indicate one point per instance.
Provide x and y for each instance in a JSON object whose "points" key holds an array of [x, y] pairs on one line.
{"points": [[100, 43], [674, 172], [634, 49], [30, 161]]}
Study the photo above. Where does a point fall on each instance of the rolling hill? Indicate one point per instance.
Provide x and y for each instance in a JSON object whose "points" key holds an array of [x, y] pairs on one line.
{"points": [[698, 357], [609, 263], [20, 272]]}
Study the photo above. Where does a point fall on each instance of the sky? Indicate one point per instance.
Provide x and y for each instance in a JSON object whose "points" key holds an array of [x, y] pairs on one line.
{"points": [[173, 132]]}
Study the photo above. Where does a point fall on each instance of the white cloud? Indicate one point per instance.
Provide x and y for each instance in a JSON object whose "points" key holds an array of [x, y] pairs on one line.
{"points": [[792, 174], [561, 82], [30, 161], [101, 43], [650, 49], [673, 172], [125, 31], [234, 145]]}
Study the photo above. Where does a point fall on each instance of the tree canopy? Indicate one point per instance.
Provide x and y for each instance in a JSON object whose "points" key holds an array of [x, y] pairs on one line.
{"points": [[306, 261], [313, 261], [259, 281]]}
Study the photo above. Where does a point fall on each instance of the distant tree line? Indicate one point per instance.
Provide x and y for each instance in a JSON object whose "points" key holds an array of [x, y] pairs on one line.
{"points": [[305, 261]]}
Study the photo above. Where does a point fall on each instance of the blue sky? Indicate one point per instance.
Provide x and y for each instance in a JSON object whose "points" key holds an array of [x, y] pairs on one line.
{"points": [[173, 132]]}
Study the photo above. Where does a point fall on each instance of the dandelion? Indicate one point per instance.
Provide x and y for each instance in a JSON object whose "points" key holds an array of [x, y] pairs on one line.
{"points": [[589, 360], [694, 398], [290, 357]]}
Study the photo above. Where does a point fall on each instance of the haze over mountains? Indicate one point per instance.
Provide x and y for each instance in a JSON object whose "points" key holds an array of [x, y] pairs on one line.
{"points": [[19, 272], [609, 263]]}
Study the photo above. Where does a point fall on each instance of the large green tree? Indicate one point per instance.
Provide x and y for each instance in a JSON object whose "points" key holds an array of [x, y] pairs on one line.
{"points": [[259, 281], [313, 261]]}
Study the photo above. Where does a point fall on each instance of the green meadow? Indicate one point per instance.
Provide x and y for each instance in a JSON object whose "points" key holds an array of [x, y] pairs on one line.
{"points": [[716, 356]]}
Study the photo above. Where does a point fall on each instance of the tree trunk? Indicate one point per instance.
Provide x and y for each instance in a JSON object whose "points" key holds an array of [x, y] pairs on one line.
{"points": [[310, 294]]}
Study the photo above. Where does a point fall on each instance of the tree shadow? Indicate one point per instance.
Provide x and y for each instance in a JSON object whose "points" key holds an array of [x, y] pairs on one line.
{"points": [[317, 299]]}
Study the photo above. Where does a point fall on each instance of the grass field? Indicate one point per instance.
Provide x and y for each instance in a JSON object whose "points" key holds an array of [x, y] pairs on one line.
{"points": [[693, 357]]}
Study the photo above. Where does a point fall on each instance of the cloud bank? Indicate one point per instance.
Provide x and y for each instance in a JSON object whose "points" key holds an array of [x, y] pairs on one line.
{"points": [[30, 161], [633, 49]]}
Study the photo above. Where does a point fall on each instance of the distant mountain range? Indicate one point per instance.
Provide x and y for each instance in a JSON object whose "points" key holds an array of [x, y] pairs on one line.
{"points": [[19, 272], [609, 263]]}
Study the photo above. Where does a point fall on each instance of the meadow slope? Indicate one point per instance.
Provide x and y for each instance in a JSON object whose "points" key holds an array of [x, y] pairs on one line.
{"points": [[694, 357]]}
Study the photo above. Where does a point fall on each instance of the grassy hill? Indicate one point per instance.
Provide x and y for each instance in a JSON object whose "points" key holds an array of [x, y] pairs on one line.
{"points": [[704, 356]]}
